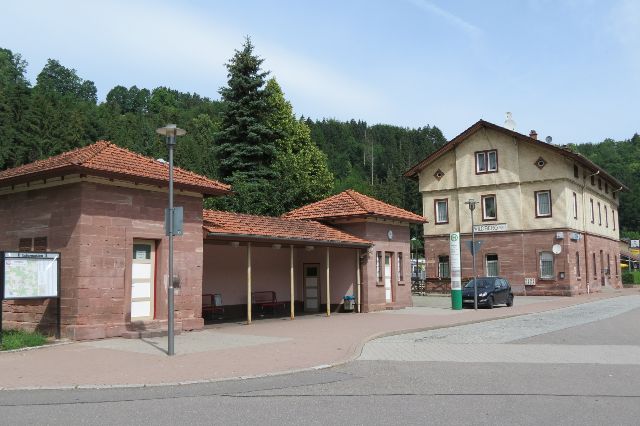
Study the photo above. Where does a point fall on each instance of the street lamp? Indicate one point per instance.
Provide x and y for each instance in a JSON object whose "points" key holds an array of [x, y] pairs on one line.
{"points": [[472, 206], [170, 131]]}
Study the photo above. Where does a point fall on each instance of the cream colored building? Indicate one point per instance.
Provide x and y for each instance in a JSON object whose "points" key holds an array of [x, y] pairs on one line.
{"points": [[547, 217]]}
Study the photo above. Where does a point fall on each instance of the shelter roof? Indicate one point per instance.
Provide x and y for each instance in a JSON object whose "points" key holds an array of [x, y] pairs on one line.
{"points": [[228, 224], [106, 159], [349, 204], [578, 158]]}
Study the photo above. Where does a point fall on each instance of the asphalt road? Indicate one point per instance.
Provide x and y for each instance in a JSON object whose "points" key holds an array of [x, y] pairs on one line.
{"points": [[395, 392]]}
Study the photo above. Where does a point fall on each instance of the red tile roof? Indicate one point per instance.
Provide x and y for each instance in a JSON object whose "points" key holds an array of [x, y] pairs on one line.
{"points": [[350, 203], [106, 159], [585, 162], [276, 229]]}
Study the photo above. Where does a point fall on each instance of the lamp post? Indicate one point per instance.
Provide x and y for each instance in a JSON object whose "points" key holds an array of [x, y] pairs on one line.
{"points": [[170, 131], [472, 206]]}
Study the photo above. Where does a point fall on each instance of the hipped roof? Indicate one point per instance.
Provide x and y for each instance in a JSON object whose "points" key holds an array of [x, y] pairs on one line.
{"points": [[106, 159], [350, 204], [249, 227], [588, 164]]}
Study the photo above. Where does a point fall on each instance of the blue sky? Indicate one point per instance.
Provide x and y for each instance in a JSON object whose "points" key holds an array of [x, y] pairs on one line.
{"points": [[566, 68]]}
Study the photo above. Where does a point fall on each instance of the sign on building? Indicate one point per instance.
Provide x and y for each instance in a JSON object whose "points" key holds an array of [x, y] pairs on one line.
{"points": [[634, 244], [494, 227]]}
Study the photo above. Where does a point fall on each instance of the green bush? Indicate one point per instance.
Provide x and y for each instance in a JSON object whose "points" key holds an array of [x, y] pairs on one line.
{"points": [[632, 277], [16, 339]]}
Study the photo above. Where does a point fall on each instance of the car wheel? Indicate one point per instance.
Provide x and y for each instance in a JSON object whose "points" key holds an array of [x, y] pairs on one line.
{"points": [[490, 302], [510, 300]]}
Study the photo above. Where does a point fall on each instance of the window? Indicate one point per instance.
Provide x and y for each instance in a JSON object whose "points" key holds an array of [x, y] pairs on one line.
{"points": [[546, 265], [606, 217], [599, 183], [577, 264], [575, 206], [379, 265], [492, 265], [615, 261], [599, 215], [443, 267], [489, 209], [442, 211], [25, 244], [606, 187], [486, 161], [613, 216], [575, 171], [592, 215], [608, 264], [593, 180], [595, 269], [543, 203], [33, 244], [400, 272]]}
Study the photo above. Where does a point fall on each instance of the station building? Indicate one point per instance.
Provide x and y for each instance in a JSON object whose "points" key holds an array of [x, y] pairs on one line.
{"points": [[102, 207], [546, 217]]}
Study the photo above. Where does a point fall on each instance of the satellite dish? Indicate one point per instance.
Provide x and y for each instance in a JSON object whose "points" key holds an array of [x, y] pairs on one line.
{"points": [[556, 249], [548, 139]]}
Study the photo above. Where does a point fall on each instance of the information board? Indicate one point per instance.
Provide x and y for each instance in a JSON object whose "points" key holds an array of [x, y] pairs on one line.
{"points": [[29, 275]]}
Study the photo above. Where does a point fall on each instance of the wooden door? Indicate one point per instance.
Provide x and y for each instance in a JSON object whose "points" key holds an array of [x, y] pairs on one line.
{"points": [[311, 288]]}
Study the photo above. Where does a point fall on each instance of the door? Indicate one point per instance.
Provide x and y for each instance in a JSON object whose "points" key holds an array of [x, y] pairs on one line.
{"points": [[311, 288], [143, 280], [387, 278], [602, 278]]}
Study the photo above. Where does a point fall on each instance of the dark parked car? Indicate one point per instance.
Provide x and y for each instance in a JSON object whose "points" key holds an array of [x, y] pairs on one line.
{"points": [[491, 291]]}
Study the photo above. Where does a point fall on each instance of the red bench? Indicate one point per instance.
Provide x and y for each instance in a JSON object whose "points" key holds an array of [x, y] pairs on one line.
{"points": [[268, 299], [212, 304]]}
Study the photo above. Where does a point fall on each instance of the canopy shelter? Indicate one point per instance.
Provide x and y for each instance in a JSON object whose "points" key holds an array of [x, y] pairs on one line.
{"points": [[247, 258]]}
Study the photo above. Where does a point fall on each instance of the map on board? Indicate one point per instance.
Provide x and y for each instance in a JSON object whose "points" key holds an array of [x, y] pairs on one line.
{"points": [[30, 275]]}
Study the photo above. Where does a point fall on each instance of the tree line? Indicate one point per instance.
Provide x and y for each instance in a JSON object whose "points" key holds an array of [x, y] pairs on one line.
{"points": [[249, 138]]}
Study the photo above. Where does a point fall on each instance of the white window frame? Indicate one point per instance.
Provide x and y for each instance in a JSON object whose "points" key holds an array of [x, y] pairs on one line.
{"points": [[495, 161], [538, 212], [497, 265], [484, 198], [484, 161], [438, 202]]}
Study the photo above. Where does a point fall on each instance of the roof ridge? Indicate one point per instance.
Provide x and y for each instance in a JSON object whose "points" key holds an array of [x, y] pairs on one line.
{"points": [[351, 193], [92, 149]]}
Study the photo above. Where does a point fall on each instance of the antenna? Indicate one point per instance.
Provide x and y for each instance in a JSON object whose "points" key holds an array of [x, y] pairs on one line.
{"points": [[548, 139], [509, 123]]}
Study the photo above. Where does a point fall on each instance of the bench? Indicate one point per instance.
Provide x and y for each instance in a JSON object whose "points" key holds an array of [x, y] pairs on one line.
{"points": [[266, 298]]}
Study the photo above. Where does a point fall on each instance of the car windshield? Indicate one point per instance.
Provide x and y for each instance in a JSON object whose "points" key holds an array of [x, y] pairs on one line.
{"points": [[482, 283]]}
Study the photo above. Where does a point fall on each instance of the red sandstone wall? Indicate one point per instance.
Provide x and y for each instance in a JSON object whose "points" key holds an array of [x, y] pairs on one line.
{"points": [[373, 292], [94, 226], [54, 214], [518, 255]]}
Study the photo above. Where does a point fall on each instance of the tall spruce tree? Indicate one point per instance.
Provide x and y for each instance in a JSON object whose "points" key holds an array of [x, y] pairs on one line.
{"points": [[246, 144], [14, 100]]}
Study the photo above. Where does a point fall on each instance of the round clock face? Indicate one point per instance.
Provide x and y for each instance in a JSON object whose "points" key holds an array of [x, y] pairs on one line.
{"points": [[390, 234]]}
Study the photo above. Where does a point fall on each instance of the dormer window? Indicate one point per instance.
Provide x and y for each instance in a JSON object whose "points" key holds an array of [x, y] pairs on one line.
{"points": [[486, 161]]}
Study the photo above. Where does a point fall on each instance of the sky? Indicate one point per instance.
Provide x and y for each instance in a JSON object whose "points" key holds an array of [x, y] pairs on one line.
{"points": [[569, 69]]}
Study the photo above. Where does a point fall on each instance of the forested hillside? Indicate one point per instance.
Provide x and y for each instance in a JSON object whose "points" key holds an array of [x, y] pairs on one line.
{"points": [[281, 169]]}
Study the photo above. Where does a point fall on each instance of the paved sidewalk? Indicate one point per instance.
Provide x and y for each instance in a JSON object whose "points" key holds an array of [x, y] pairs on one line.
{"points": [[268, 346]]}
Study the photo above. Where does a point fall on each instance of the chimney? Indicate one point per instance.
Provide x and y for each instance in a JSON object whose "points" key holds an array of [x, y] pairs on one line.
{"points": [[533, 134]]}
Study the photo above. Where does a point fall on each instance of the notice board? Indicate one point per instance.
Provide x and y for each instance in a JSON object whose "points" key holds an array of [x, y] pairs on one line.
{"points": [[29, 275]]}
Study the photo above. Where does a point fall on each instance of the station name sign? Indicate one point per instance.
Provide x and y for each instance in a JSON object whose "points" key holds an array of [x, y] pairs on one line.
{"points": [[494, 227]]}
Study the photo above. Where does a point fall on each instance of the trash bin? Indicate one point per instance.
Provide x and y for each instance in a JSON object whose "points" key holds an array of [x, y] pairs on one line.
{"points": [[348, 303]]}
